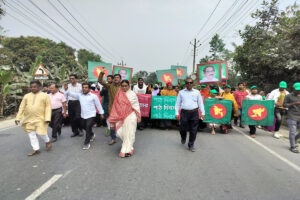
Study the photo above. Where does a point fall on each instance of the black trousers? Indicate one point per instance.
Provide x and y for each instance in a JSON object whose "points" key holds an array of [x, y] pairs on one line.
{"points": [[56, 121], [74, 112], [252, 129], [189, 121], [87, 125], [278, 115]]}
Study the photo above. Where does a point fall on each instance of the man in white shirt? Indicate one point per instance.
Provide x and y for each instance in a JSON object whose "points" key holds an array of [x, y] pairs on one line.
{"points": [[88, 104], [189, 101], [74, 106], [140, 88], [278, 96]]}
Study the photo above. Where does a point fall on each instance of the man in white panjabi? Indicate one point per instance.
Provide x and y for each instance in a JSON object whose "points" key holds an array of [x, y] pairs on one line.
{"points": [[125, 113], [36, 110]]}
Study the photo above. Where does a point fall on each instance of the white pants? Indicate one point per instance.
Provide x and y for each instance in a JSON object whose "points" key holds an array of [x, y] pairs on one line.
{"points": [[34, 140]]}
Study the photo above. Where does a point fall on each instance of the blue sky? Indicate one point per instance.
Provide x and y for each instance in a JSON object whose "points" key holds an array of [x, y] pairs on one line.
{"points": [[147, 35]]}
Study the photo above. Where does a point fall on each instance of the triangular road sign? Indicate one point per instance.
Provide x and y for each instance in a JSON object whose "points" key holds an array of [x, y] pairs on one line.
{"points": [[40, 71]]}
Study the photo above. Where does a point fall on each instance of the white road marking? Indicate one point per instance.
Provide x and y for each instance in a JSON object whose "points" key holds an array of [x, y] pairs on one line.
{"points": [[293, 165], [44, 187], [10, 127]]}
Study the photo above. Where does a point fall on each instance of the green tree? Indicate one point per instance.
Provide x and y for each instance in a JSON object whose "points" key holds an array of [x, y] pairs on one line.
{"points": [[217, 47], [269, 53], [84, 56], [140, 74], [5, 77]]}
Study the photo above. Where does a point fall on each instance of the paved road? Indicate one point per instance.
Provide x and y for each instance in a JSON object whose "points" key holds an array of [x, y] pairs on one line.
{"points": [[224, 167]]}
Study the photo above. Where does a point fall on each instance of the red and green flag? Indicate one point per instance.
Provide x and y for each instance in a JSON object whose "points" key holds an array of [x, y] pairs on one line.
{"points": [[180, 70], [94, 69], [218, 111], [258, 112], [167, 76]]}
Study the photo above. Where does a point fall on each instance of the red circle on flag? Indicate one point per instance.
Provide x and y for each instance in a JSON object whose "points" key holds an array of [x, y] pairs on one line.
{"points": [[167, 78], [97, 71], [179, 72], [257, 112], [218, 111]]}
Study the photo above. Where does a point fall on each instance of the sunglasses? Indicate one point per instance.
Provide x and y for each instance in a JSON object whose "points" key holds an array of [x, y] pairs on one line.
{"points": [[189, 82]]}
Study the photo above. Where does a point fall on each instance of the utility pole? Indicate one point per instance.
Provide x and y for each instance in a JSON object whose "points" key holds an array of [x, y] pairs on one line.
{"points": [[196, 45]]}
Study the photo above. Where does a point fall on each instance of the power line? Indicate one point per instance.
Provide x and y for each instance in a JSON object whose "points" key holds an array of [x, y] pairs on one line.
{"points": [[93, 29], [27, 25], [21, 13], [57, 24], [84, 28], [205, 41], [73, 25], [235, 22], [36, 17], [223, 17], [208, 19]]}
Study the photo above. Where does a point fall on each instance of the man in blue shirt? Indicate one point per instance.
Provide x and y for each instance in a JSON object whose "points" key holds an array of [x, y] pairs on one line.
{"points": [[88, 104], [189, 101]]}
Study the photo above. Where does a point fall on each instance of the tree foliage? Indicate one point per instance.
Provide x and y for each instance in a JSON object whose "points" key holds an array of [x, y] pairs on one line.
{"points": [[84, 56], [270, 51]]}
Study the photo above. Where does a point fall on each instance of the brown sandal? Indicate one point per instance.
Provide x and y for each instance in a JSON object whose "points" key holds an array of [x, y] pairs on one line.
{"points": [[34, 153]]}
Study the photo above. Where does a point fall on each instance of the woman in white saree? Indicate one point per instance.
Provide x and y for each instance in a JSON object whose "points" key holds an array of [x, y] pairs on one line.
{"points": [[125, 113]]}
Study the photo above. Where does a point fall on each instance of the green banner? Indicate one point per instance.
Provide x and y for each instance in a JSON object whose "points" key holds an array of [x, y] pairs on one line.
{"points": [[94, 69], [218, 111], [166, 76], [180, 70], [224, 70], [257, 112], [163, 107]]}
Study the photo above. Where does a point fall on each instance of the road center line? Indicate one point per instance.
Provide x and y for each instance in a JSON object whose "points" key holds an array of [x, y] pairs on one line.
{"points": [[296, 167], [10, 127], [44, 187]]}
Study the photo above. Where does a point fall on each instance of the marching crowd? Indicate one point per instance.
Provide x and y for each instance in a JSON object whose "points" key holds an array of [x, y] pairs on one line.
{"points": [[119, 110]]}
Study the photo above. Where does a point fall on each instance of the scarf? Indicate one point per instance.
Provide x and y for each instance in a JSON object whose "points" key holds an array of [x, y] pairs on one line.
{"points": [[121, 109]]}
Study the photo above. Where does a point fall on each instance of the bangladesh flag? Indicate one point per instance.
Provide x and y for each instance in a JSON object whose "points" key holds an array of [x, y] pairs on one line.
{"points": [[94, 69], [180, 70], [218, 111], [257, 112], [166, 76]]}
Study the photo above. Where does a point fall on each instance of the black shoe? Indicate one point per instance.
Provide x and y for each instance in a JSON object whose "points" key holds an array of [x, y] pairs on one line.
{"points": [[59, 132], [54, 139], [74, 135], [80, 135], [192, 149], [183, 141], [294, 150]]}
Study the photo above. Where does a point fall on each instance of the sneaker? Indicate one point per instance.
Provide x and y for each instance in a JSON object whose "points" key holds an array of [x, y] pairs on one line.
{"points": [[86, 146], [192, 149], [93, 138], [253, 135], [294, 150], [276, 135]]}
